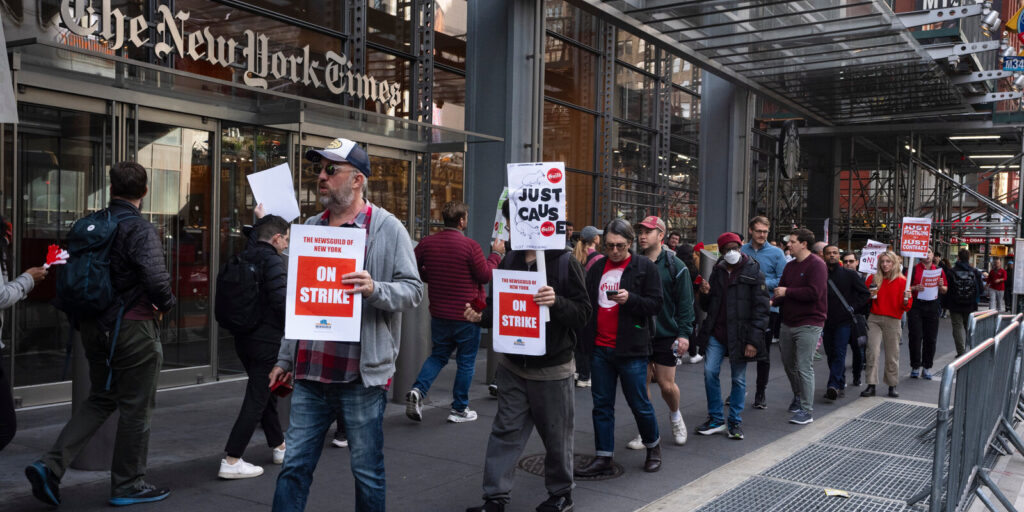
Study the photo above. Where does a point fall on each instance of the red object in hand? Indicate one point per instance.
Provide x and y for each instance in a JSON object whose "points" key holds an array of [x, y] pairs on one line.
{"points": [[281, 388], [699, 280], [698, 247]]}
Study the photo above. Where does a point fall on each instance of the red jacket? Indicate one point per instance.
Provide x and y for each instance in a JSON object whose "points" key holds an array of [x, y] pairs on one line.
{"points": [[454, 268], [890, 298], [997, 273]]}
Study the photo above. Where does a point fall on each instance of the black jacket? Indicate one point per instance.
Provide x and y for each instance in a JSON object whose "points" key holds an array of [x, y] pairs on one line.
{"points": [[979, 285], [138, 270], [569, 312], [746, 308], [854, 291], [636, 317], [273, 291]]}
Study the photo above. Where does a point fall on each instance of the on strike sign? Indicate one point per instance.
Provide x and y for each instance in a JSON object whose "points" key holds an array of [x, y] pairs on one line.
{"points": [[517, 325], [318, 307], [916, 235], [537, 205]]}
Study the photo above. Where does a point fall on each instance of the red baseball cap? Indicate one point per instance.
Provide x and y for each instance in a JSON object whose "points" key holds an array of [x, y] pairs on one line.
{"points": [[727, 237], [652, 222]]}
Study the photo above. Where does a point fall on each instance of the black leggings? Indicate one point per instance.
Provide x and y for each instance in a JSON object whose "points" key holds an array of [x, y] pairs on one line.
{"points": [[8, 421]]}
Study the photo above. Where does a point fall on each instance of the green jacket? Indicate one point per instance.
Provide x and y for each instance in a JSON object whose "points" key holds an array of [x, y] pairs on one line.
{"points": [[675, 320]]}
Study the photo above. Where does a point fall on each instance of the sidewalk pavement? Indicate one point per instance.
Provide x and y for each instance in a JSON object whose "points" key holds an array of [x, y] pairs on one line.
{"points": [[436, 466]]}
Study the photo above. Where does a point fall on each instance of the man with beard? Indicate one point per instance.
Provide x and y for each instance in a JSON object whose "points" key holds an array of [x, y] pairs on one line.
{"points": [[349, 377]]}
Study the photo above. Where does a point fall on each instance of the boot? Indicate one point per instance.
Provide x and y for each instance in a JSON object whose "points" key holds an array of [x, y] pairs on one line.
{"points": [[601, 465], [893, 393], [653, 462], [868, 391]]}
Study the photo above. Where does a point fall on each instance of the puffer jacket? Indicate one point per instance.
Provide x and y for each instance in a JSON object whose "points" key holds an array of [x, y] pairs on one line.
{"points": [[273, 292], [747, 305], [138, 271]]}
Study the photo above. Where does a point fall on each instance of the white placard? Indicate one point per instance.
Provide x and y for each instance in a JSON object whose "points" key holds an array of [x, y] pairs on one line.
{"points": [[1018, 270], [869, 256], [518, 325], [318, 307], [273, 187], [931, 279], [500, 229], [537, 205]]}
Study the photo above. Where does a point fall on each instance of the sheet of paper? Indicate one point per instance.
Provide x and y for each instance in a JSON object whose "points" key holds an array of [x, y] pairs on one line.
{"points": [[273, 187], [931, 280]]}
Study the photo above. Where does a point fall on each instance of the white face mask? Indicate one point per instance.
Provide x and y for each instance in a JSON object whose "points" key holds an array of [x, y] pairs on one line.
{"points": [[732, 257]]}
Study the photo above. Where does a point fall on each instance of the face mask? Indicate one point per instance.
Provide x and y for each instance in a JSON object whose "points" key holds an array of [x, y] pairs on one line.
{"points": [[732, 257]]}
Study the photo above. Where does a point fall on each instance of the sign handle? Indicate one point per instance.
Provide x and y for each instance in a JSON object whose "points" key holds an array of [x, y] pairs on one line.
{"points": [[910, 274], [542, 269]]}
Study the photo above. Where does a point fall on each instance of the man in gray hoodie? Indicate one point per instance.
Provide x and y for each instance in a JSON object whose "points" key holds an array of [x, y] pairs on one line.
{"points": [[349, 377]]}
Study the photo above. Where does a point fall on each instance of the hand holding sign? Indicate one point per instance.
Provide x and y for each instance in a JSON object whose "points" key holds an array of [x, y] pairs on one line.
{"points": [[361, 282], [519, 298]]}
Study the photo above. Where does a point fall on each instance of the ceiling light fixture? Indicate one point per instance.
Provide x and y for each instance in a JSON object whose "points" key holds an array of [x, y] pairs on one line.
{"points": [[974, 137], [976, 157]]}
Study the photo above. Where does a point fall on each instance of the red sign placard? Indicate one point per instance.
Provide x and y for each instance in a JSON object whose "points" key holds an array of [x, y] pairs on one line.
{"points": [[318, 290], [520, 315], [915, 237]]}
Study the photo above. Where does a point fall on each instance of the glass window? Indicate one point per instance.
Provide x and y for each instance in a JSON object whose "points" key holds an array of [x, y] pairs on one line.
{"points": [[449, 100], [396, 70], [389, 23], [571, 22], [634, 50], [329, 14], [580, 199], [634, 96], [683, 72], [631, 157], [569, 136], [685, 114], [389, 187], [450, 33], [570, 73], [682, 188], [447, 181]]}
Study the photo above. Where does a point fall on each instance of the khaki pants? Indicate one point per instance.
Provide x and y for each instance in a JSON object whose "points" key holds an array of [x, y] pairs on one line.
{"points": [[887, 331]]}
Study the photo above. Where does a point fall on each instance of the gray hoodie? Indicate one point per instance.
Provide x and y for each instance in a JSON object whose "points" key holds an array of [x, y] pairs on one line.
{"points": [[396, 287]]}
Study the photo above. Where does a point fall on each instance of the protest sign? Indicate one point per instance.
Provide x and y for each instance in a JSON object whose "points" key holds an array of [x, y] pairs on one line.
{"points": [[536, 193], [915, 237], [931, 280], [273, 187], [500, 230], [518, 325], [318, 307], [869, 256]]}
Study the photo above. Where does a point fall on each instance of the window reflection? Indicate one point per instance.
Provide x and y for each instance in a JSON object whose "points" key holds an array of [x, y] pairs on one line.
{"points": [[449, 100], [635, 51], [580, 198], [450, 33], [447, 177], [389, 186], [394, 69], [569, 136], [634, 96], [389, 23], [325, 13], [570, 73], [570, 22]]}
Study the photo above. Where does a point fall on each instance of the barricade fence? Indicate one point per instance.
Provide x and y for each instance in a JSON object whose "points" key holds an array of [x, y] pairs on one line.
{"points": [[979, 399]]}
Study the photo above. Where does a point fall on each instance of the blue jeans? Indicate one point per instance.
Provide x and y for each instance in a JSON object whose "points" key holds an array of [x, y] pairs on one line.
{"points": [[450, 336], [632, 372], [713, 387], [315, 406], [835, 340]]}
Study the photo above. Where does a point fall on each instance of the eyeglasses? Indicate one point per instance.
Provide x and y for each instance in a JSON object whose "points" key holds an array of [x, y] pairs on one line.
{"points": [[850, 261], [616, 247], [760, 231], [332, 169]]}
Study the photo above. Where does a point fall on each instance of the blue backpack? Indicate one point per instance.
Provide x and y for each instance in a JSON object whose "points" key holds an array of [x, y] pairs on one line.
{"points": [[83, 285]]}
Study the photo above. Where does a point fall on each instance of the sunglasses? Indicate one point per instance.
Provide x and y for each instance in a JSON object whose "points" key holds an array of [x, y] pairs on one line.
{"points": [[616, 247], [332, 169]]}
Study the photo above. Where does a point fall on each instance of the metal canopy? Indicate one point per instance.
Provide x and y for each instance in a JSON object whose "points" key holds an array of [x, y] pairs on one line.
{"points": [[836, 61]]}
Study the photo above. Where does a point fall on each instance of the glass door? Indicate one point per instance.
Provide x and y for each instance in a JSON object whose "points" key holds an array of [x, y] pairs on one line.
{"points": [[391, 185]]}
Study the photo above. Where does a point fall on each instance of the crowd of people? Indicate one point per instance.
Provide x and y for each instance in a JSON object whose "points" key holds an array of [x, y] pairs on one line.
{"points": [[627, 305]]}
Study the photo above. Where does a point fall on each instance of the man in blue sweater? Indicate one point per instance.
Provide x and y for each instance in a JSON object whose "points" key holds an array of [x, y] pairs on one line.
{"points": [[772, 261]]}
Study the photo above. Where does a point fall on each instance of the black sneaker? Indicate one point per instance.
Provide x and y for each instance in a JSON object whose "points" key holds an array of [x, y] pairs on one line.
{"points": [[831, 394], [146, 494], [735, 432], [492, 388], [711, 426], [45, 486], [759, 401], [559, 503], [488, 506]]}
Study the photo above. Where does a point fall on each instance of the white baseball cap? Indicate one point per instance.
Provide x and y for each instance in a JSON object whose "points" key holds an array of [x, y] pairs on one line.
{"points": [[342, 150]]}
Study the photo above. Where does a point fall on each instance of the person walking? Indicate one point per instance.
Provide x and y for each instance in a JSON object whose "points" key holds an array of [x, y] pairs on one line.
{"points": [[851, 263], [11, 292], [772, 262], [923, 320], [535, 392], [123, 371], [257, 350], [847, 295], [686, 254], [965, 284], [673, 325], [803, 302], [996, 286], [737, 303], [351, 377], [890, 299], [455, 271], [625, 295], [587, 255]]}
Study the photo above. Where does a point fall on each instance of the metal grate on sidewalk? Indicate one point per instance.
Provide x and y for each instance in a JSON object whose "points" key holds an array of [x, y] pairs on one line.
{"points": [[770, 495]]}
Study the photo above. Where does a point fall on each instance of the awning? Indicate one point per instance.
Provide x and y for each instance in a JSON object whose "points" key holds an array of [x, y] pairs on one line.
{"points": [[835, 61], [77, 70]]}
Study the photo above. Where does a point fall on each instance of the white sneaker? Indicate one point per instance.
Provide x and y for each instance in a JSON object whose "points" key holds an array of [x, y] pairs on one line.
{"points": [[679, 432], [636, 444], [583, 383], [278, 455], [461, 416], [696, 359], [339, 443], [240, 469]]}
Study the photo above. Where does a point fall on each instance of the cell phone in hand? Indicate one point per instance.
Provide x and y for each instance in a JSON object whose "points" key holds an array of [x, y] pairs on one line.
{"points": [[281, 388], [611, 293]]}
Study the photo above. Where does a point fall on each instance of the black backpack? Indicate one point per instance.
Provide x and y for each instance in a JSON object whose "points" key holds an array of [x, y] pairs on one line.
{"points": [[83, 285], [965, 289], [237, 304]]}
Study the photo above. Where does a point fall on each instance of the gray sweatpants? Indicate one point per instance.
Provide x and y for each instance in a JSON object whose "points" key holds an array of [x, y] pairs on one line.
{"points": [[797, 344], [524, 405]]}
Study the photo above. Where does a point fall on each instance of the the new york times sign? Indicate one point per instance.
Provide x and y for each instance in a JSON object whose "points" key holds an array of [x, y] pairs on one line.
{"points": [[253, 51]]}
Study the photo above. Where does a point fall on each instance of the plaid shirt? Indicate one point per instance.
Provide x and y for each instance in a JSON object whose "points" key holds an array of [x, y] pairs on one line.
{"points": [[332, 362]]}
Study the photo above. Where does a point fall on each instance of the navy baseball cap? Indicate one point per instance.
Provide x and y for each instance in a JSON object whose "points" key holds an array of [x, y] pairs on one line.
{"points": [[342, 150]]}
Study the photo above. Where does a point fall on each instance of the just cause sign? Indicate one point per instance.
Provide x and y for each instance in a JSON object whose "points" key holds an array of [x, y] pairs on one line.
{"points": [[336, 73]]}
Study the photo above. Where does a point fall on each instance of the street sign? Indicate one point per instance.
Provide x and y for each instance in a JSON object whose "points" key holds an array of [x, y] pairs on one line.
{"points": [[1013, 63]]}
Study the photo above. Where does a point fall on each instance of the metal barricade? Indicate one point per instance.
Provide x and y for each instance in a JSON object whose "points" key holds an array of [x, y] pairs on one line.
{"points": [[981, 325], [983, 385]]}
